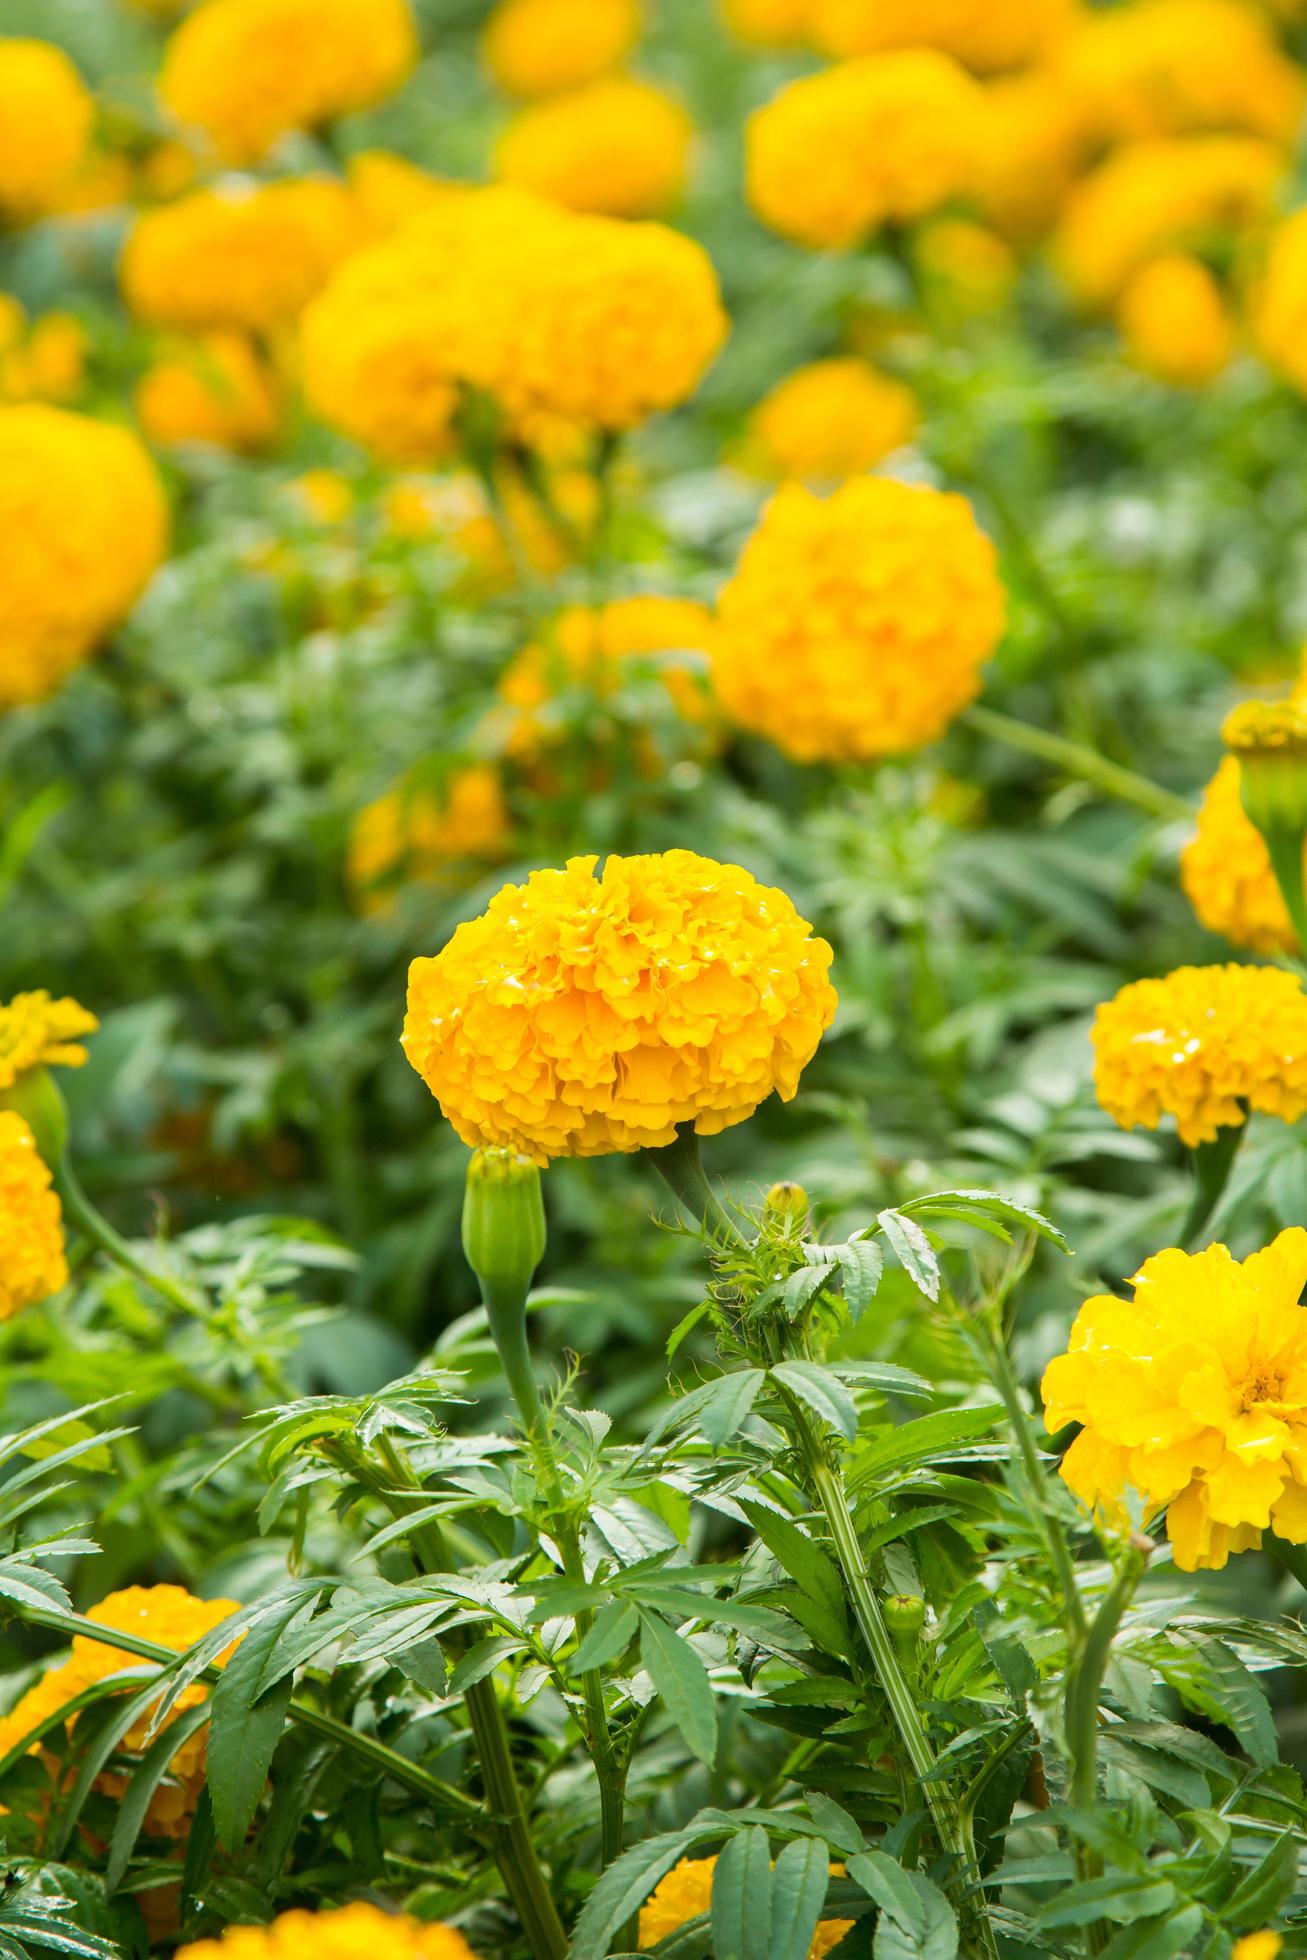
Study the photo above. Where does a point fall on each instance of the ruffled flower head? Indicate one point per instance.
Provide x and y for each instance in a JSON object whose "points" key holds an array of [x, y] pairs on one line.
{"points": [[354, 1932], [32, 1262], [1226, 872], [37, 1031]]}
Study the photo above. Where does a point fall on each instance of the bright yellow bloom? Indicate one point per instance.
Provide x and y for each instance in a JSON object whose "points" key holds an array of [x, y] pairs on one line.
{"points": [[836, 155], [1198, 1045], [1194, 1396], [247, 71], [353, 1932], [50, 365], [1158, 196], [553, 312], [986, 35], [1258, 1946], [592, 645], [542, 47], [1035, 143], [617, 146], [83, 525], [1280, 311], [581, 1015], [248, 256], [46, 116], [686, 1892], [1174, 67], [37, 1031], [326, 495], [1225, 870], [32, 1263], [1176, 322], [419, 833], [215, 390], [767, 23], [389, 190], [857, 626], [833, 419]]}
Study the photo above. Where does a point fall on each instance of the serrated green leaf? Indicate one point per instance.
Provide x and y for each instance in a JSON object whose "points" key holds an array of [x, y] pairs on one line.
{"points": [[802, 1287], [916, 1920], [681, 1679], [820, 1391], [246, 1725], [861, 1265], [725, 1410], [742, 1897], [913, 1251], [1259, 1896], [613, 1630], [799, 1885]]}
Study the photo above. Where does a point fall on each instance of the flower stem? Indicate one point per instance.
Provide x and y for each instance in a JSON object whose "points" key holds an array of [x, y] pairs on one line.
{"points": [[1212, 1164], [1080, 1707], [91, 1222], [680, 1166], [1078, 760]]}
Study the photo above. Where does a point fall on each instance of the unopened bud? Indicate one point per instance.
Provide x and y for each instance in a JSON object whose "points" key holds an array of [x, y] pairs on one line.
{"points": [[905, 1616], [503, 1219], [785, 1209], [1269, 741]]}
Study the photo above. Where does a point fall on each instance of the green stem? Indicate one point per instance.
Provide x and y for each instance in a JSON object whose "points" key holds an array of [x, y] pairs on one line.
{"points": [[681, 1168], [1284, 845], [1078, 760], [1212, 1164], [1083, 1687], [95, 1226]]}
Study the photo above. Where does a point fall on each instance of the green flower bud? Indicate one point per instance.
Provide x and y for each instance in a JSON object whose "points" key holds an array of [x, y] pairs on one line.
{"points": [[905, 1613], [503, 1219], [1269, 740], [37, 1098], [785, 1209]]}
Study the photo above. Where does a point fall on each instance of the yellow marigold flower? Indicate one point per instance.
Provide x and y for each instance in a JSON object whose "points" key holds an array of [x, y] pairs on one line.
{"points": [[581, 1015], [389, 190], [353, 1932], [245, 255], [966, 268], [32, 1263], [83, 525], [979, 33], [1280, 308], [686, 1892], [46, 115], [857, 626], [838, 154], [1172, 67], [247, 71], [1158, 196], [1193, 1395], [1258, 1946], [833, 419], [50, 366], [542, 47], [326, 495], [37, 1031], [554, 312], [1035, 142], [618, 146], [593, 645], [1225, 870], [1198, 1045], [215, 390], [1176, 323], [767, 23], [417, 832]]}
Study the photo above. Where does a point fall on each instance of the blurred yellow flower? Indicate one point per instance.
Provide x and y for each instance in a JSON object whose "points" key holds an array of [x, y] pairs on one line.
{"points": [[1258, 1946], [326, 495], [32, 1263], [767, 23], [50, 365], [542, 47], [1225, 870], [389, 190], [37, 1031], [46, 117], [1198, 1045], [418, 832], [618, 146], [828, 421], [216, 390], [1194, 1396], [838, 154], [965, 268], [83, 525], [1035, 142], [592, 645], [857, 626], [1176, 322], [353, 1932], [581, 1015], [1280, 304], [1159, 196], [986, 35], [247, 71], [686, 1892]]}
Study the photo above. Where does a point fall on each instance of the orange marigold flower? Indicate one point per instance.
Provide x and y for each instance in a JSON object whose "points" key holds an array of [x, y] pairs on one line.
{"points": [[581, 1015], [32, 1263], [46, 117], [857, 626], [1226, 872], [214, 390], [618, 146], [247, 71], [830, 420], [1194, 1396], [50, 365], [389, 190], [353, 1932], [1176, 322], [83, 525], [979, 33], [1199, 1045], [421, 832], [243, 255], [542, 47], [324, 495], [686, 1892], [890, 137]]}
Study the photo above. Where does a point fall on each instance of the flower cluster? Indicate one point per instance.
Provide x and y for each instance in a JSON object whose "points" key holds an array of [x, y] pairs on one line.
{"points": [[246, 256], [1176, 322], [246, 71], [1035, 143], [1194, 1396], [39, 1032], [1226, 872], [857, 626], [553, 312], [984, 36], [543, 47], [417, 832], [354, 1932], [581, 1014], [686, 1892], [215, 389], [1201, 1044], [618, 146], [32, 1263], [46, 115], [889, 137], [830, 420], [83, 525], [593, 645], [1281, 309]]}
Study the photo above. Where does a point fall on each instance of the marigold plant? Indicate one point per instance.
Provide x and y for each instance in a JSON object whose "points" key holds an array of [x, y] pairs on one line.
{"points": [[830, 420], [37, 1031], [46, 117], [1176, 322], [32, 1262], [584, 1014], [544, 47], [618, 146], [416, 832], [686, 1892], [353, 1932], [1226, 872], [1036, 141]]}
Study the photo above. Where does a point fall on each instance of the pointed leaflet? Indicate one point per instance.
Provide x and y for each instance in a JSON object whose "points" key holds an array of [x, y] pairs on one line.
{"points": [[145, 1780], [625, 1886], [726, 1408], [913, 1251], [861, 1264], [613, 1628], [820, 1391], [798, 1895], [682, 1680], [246, 1726], [916, 1920], [1006, 1210], [742, 1898]]}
